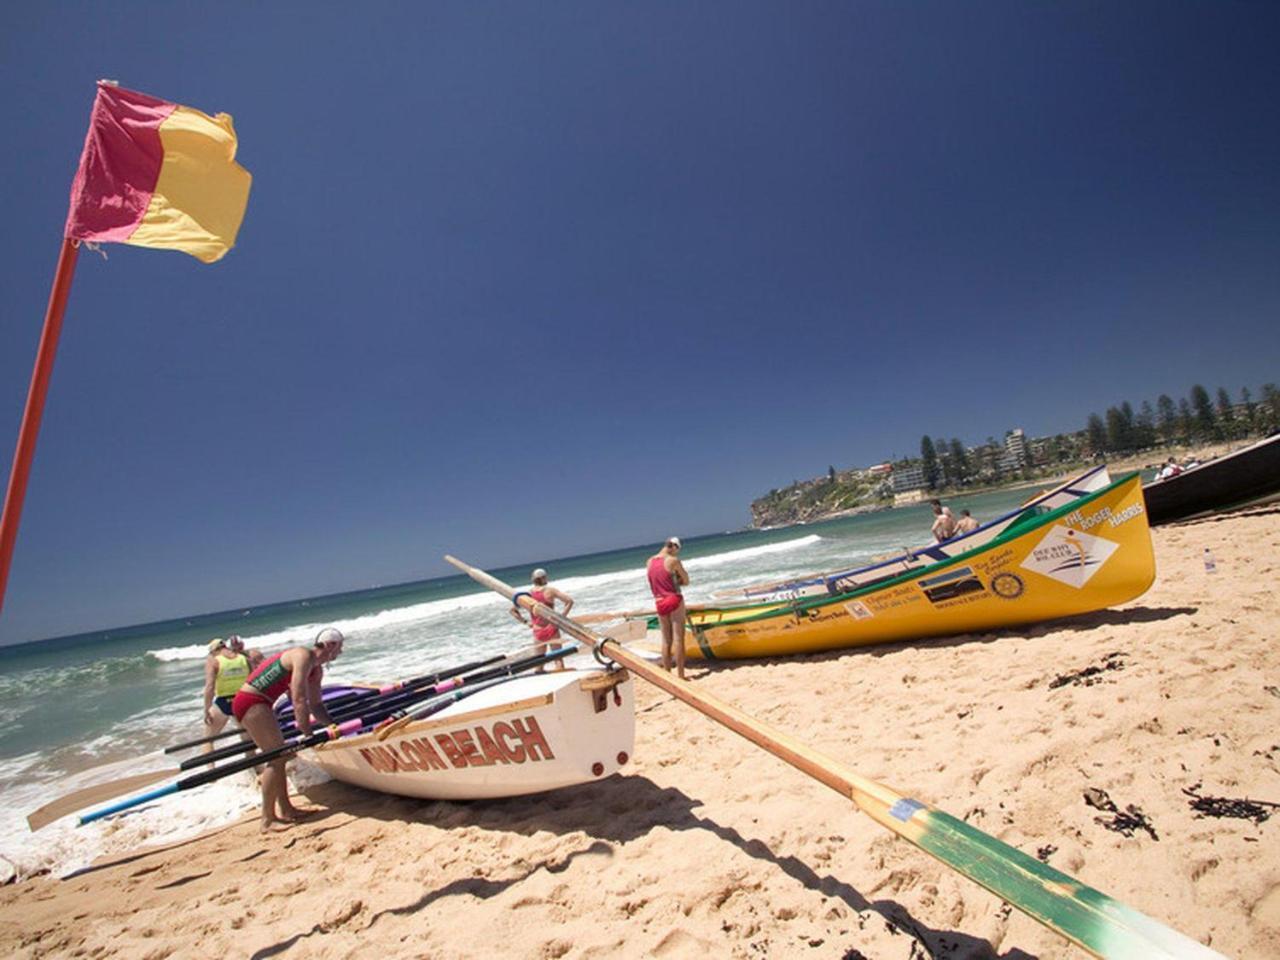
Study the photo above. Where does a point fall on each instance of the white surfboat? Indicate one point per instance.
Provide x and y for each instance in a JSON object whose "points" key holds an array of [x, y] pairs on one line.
{"points": [[534, 733]]}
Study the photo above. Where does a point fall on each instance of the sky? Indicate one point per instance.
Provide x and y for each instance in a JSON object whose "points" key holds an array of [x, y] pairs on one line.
{"points": [[520, 281]]}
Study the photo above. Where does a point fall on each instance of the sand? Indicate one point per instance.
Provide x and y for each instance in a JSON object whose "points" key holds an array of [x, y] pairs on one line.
{"points": [[712, 848]]}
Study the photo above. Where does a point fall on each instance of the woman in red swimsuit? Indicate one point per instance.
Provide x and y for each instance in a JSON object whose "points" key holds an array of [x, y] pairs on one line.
{"points": [[545, 633], [298, 672], [666, 577]]}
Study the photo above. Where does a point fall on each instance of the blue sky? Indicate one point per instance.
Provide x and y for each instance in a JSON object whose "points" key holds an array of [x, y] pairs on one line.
{"points": [[518, 281]]}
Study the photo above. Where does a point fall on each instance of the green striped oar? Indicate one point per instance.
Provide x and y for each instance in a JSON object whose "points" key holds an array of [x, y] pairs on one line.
{"points": [[1101, 925]]}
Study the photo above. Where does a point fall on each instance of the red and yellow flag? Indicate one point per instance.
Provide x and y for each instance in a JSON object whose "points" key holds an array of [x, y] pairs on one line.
{"points": [[156, 174]]}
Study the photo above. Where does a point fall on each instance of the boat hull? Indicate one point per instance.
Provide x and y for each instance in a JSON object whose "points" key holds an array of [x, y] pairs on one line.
{"points": [[1090, 554], [535, 733], [1236, 479]]}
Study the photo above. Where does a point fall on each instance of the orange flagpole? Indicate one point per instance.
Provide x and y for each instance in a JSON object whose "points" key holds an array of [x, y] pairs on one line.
{"points": [[35, 407]]}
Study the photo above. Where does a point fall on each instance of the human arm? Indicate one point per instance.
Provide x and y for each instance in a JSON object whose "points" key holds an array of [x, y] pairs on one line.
{"points": [[300, 661], [315, 695], [553, 595], [678, 572], [515, 612], [210, 675]]}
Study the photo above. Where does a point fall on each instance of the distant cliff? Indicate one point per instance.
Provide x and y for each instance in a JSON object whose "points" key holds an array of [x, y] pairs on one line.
{"points": [[820, 498]]}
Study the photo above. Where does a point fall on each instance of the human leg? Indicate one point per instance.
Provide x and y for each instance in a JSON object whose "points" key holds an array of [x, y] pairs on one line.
{"points": [[664, 621], [259, 721], [677, 631]]}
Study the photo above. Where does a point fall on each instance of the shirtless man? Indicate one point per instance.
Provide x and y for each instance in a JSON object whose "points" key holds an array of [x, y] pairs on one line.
{"points": [[944, 521], [966, 523], [666, 576], [545, 633]]}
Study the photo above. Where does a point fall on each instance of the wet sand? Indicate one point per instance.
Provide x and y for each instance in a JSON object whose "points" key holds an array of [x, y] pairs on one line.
{"points": [[1135, 749]]}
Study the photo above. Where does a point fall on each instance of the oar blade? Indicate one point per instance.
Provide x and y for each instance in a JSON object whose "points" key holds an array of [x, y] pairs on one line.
{"points": [[1103, 926], [92, 796]]}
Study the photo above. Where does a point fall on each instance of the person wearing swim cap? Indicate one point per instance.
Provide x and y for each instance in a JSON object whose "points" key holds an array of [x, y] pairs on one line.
{"points": [[297, 671], [666, 576], [545, 633], [225, 669]]}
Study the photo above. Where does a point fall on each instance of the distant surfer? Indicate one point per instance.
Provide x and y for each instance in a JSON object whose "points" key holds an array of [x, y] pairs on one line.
{"points": [[298, 672], [966, 523], [545, 633], [666, 576], [944, 522], [225, 670]]}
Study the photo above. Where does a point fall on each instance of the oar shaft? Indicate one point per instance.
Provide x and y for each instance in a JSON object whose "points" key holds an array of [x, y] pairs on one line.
{"points": [[346, 699], [1103, 926]]}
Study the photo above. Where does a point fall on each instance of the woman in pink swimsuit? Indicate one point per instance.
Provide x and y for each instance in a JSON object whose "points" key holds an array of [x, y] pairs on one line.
{"points": [[666, 577], [298, 672], [545, 633]]}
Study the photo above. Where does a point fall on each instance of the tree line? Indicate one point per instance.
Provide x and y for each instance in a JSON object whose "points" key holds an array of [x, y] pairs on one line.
{"points": [[1195, 418]]}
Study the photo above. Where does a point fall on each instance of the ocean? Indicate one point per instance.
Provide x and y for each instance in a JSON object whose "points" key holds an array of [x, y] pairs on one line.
{"points": [[95, 707]]}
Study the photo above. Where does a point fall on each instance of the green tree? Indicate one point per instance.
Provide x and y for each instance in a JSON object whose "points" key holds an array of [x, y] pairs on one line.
{"points": [[1167, 421], [1096, 435], [1185, 421], [1246, 400], [1269, 408], [1226, 415], [1117, 434], [929, 461], [1146, 426], [1205, 424], [960, 458]]}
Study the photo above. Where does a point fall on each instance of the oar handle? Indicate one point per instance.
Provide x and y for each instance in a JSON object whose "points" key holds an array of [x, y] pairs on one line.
{"points": [[134, 801]]}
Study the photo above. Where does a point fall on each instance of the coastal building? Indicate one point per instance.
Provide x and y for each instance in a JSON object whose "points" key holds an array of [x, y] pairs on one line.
{"points": [[1015, 445], [907, 478], [880, 469]]}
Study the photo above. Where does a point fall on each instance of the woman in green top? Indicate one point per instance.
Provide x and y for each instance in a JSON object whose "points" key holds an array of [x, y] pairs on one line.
{"points": [[225, 670]]}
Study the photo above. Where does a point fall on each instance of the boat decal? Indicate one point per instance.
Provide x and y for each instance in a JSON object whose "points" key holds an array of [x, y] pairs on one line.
{"points": [[1008, 586], [1070, 556], [858, 609], [516, 741], [905, 808], [950, 585]]}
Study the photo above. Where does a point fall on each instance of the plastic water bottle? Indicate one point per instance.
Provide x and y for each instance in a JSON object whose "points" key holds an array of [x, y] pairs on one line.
{"points": [[1209, 565]]}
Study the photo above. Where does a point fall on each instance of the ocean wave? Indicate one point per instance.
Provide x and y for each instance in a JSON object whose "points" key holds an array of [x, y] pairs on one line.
{"points": [[749, 553]]}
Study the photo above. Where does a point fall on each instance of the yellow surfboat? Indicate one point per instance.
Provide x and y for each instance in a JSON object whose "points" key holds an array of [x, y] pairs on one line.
{"points": [[1092, 553]]}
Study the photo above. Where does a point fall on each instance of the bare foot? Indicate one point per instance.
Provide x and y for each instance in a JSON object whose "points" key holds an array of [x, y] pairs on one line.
{"points": [[274, 826], [293, 814]]}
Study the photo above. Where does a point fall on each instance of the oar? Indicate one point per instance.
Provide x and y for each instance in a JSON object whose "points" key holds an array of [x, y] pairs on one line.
{"points": [[351, 697], [397, 697], [402, 718], [103, 792], [89, 796], [333, 732], [1089, 918]]}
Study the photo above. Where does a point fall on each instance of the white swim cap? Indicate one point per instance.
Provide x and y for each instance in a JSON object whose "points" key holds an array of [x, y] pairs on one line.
{"points": [[329, 637]]}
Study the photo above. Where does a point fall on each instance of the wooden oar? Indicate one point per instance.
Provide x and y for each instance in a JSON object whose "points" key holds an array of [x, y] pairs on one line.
{"points": [[1089, 918], [112, 789], [91, 796]]}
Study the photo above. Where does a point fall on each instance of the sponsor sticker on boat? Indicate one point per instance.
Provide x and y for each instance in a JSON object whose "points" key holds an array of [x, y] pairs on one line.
{"points": [[1069, 556], [950, 585], [858, 610]]}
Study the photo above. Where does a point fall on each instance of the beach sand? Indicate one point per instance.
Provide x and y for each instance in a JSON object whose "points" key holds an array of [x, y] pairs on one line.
{"points": [[712, 848]]}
